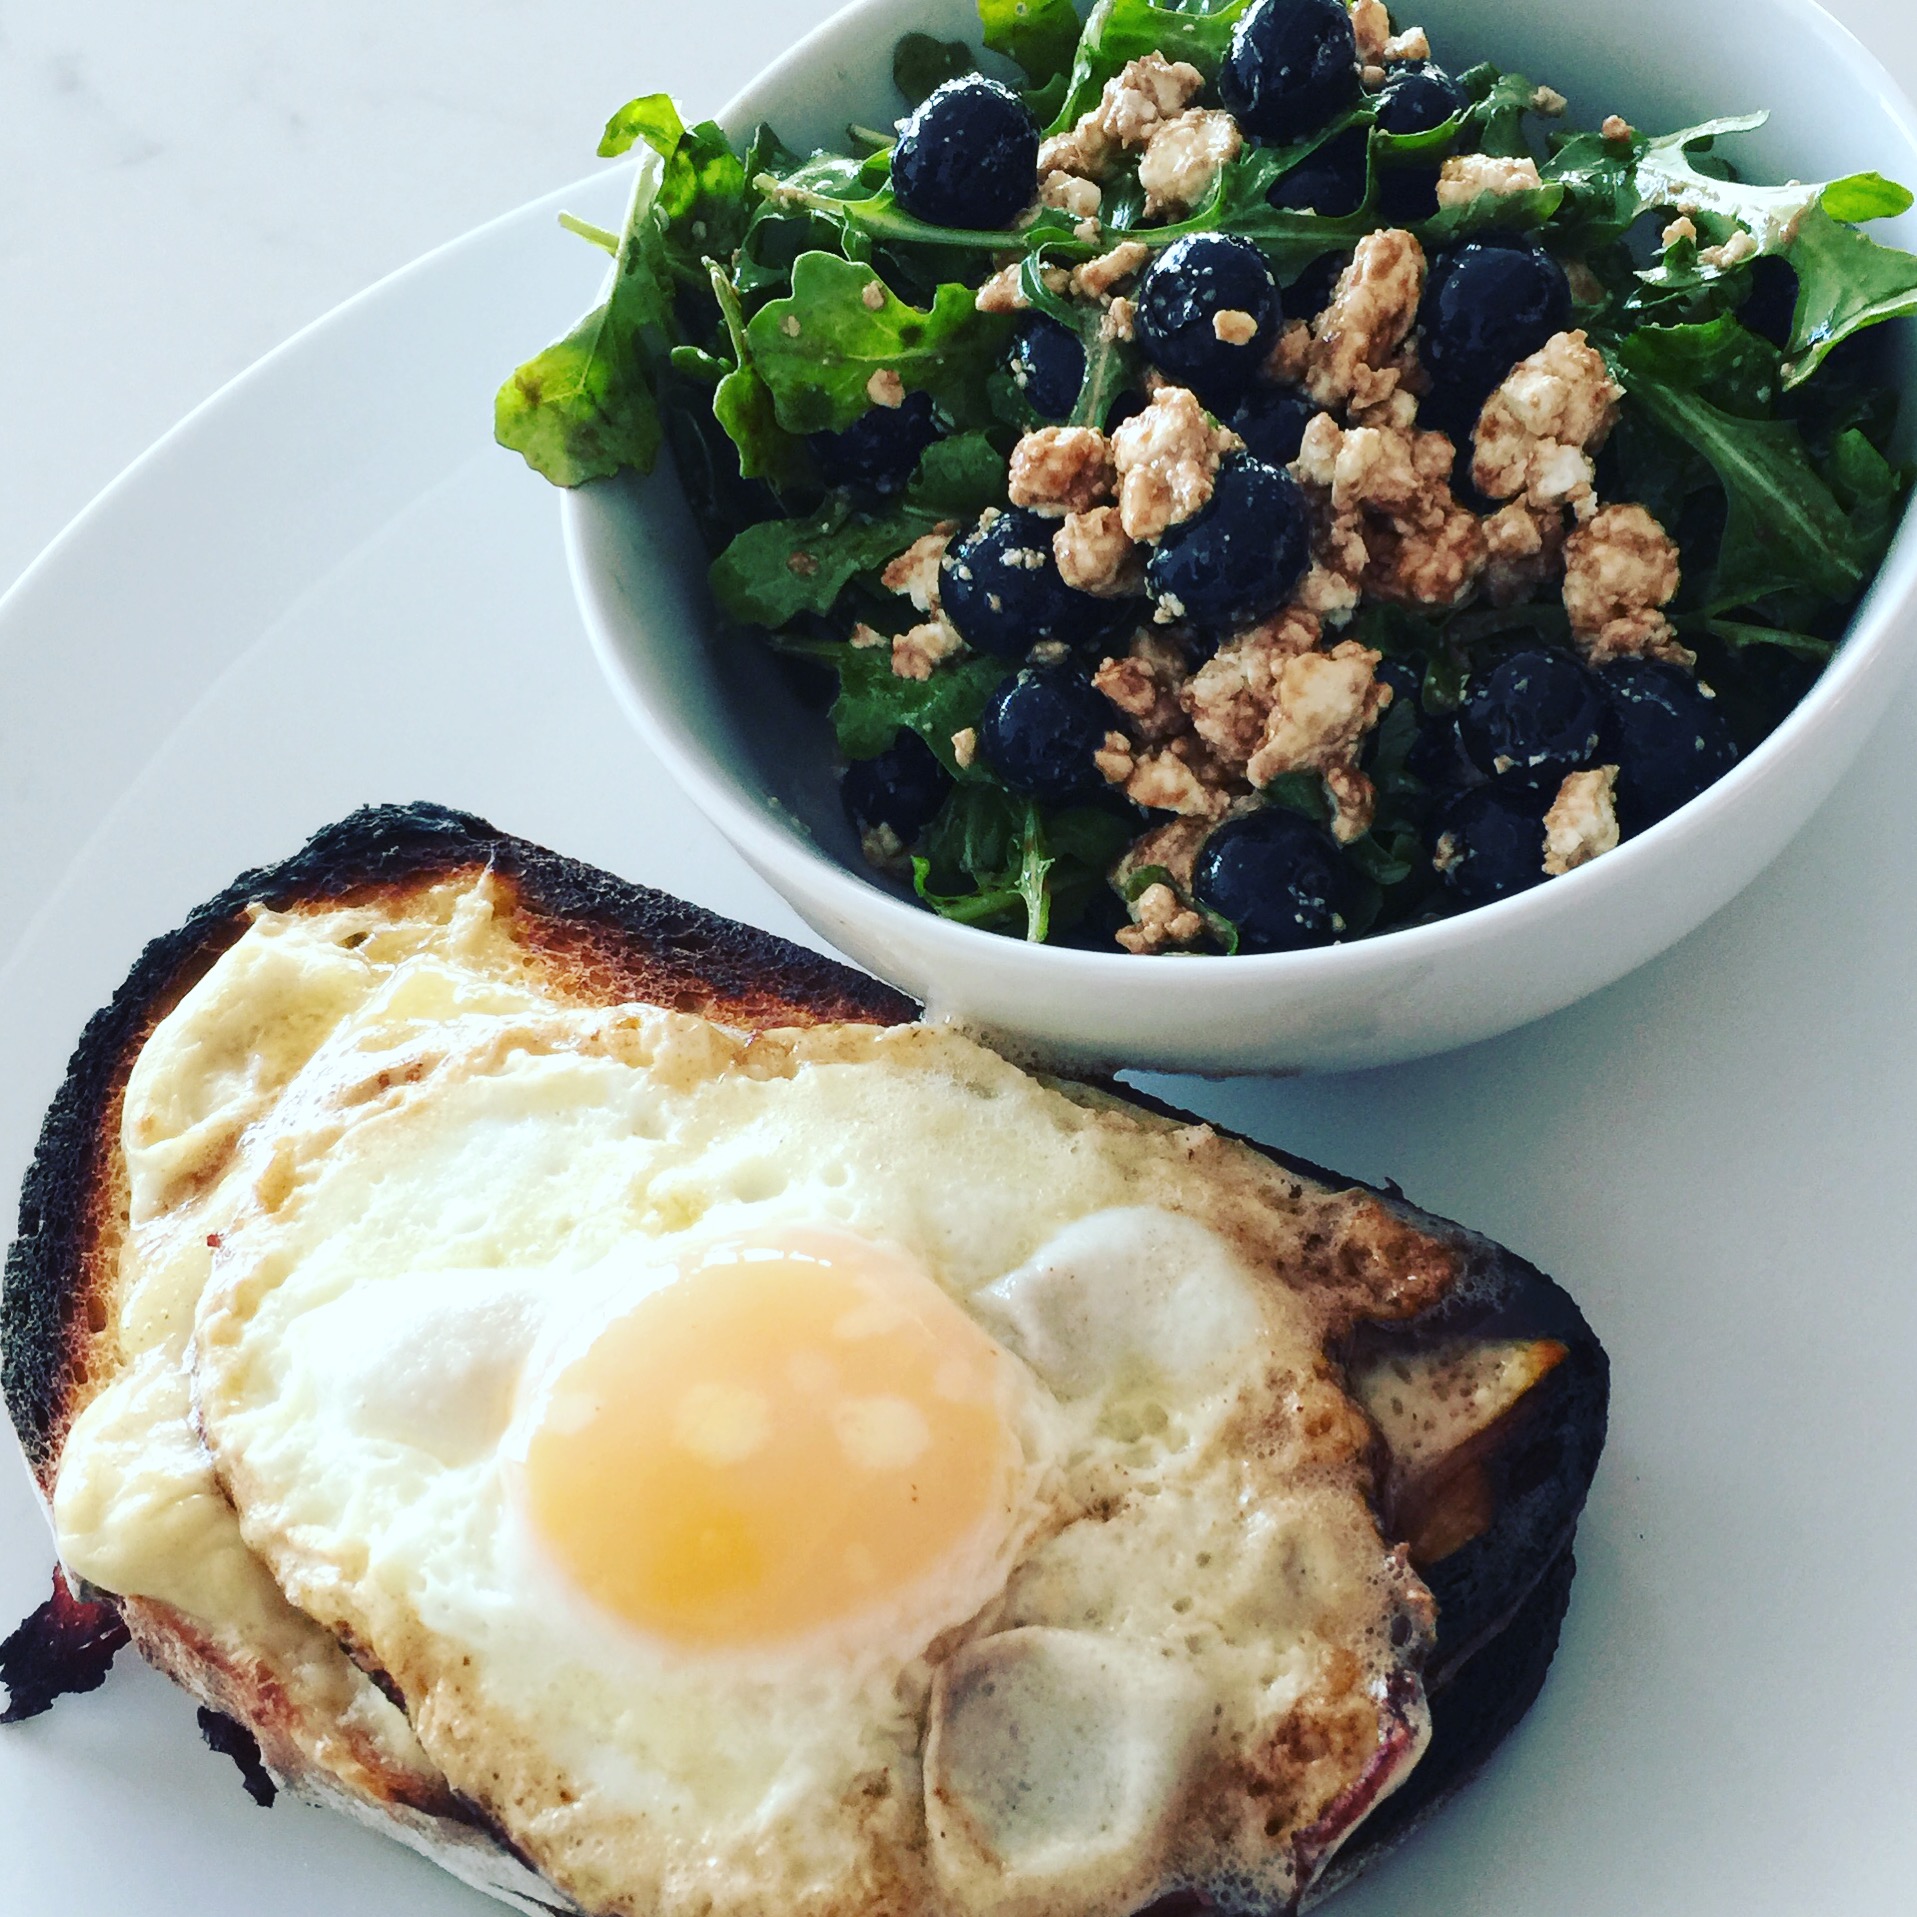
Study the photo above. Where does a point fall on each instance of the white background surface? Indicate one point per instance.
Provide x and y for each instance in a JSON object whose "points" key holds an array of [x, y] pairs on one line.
{"points": [[1715, 1156]]}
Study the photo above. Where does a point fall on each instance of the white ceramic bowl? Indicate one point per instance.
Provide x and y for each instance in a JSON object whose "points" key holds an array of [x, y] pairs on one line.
{"points": [[759, 764]]}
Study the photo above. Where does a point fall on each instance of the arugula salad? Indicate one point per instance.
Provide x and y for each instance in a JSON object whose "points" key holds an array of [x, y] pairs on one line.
{"points": [[1240, 483]]}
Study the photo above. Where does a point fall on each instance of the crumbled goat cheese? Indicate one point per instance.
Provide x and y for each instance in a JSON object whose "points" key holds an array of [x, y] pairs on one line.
{"points": [[1179, 777], [1233, 327], [1290, 355], [1412, 44], [1097, 277], [882, 847], [1323, 704], [1120, 318], [1144, 686], [1173, 847], [1549, 102], [1741, 246], [1183, 158], [916, 652], [885, 388], [1525, 547], [1061, 469], [1371, 23], [1681, 228], [915, 572], [864, 637], [873, 294], [1582, 822], [1620, 571], [1539, 430], [1230, 697], [1617, 128], [1162, 921], [1070, 194], [1095, 554], [1467, 176], [1356, 339], [965, 747], [1167, 459], [1435, 565], [1134, 102]]}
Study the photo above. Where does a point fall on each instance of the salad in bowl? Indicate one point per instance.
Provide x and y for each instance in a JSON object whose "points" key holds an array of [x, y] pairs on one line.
{"points": [[1243, 484]]}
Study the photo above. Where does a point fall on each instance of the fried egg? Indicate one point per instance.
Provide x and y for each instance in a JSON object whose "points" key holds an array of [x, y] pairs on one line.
{"points": [[830, 1471]]}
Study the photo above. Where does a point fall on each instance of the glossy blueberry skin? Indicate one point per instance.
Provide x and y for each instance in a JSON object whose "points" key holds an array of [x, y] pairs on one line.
{"points": [[1292, 65], [999, 586], [1271, 420], [1417, 96], [903, 787], [1048, 362], [1670, 740], [880, 449], [1243, 555], [1533, 717], [1487, 306], [1330, 180], [1497, 835], [1278, 878], [1040, 730], [1188, 285], [967, 157]]}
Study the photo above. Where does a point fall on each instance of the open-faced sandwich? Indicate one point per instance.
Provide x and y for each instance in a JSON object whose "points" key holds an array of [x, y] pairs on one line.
{"points": [[608, 1397]]}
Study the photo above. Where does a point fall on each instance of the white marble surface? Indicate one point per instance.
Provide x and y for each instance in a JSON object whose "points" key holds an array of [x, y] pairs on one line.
{"points": [[188, 185]]}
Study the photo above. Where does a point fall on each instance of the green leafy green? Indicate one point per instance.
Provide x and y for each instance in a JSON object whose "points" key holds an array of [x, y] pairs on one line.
{"points": [[1845, 282], [826, 349], [993, 859], [921, 64], [652, 118], [1041, 35], [874, 703], [1120, 31]]}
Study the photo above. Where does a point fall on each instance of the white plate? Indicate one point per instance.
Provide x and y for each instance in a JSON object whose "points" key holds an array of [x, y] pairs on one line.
{"points": [[327, 588]]}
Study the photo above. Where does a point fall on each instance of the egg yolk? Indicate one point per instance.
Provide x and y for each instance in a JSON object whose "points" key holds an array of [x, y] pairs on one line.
{"points": [[786, 1435]]}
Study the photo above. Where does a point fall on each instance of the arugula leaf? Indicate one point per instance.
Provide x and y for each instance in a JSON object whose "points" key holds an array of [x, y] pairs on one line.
{"points": [[1737, 634], [1041, 35], [742, 402], [921, 64], [1120, 31], [958, 478], [820, 349], [652, 118], [874, 703], [581, 409], [1846, 281], [1784, 526], [1024, 865]]}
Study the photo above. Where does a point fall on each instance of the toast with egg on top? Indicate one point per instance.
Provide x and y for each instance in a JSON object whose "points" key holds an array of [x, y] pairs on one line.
{"points": [[1435, 1423]]}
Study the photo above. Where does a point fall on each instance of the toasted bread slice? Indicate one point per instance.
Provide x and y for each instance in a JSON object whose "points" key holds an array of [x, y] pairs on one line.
{"points": [[1490, 1402]]}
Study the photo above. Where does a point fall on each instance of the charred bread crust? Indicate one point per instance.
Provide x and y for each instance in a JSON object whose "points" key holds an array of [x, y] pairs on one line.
{"points": [[606, 942], [612, 941]]}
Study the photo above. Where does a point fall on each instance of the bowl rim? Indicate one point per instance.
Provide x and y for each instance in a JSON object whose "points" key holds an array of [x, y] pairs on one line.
{"points": [[1881, 620]]}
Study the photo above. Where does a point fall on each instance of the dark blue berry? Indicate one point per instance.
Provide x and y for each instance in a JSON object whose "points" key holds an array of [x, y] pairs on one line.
{"points": [[1487, 306], [1271, 420], [1310, 293], [1669, 737], [999, 586], [1490, 843], [1243, 555], [880, 450], [1418, 97], [1128, 405], [902, 787], [1330, 179], [1278, 878], [1407, 194], [967, 157], [1292, 65], [1040, 730], [1534, 716], [1048, 362], [1189, 285]]}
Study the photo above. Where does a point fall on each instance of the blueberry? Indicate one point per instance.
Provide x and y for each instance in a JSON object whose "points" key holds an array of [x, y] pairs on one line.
{"points": [[1292, 65], [1278, 878], [1271, 420], [1487, 306], [1243, 555], [1534, 716], [902, 787], [1331, 179], [967, 157], [1127, 405], [1419, 97], [1310, 293], [1490, 843], [1671, 740], [1040, 730], [1193, 281], [1048, 362], [880, 449], [999, 586]]}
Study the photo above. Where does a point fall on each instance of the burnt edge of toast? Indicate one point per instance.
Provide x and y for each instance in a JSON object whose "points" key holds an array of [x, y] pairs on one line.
{"points": [[1503, 1596]]}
